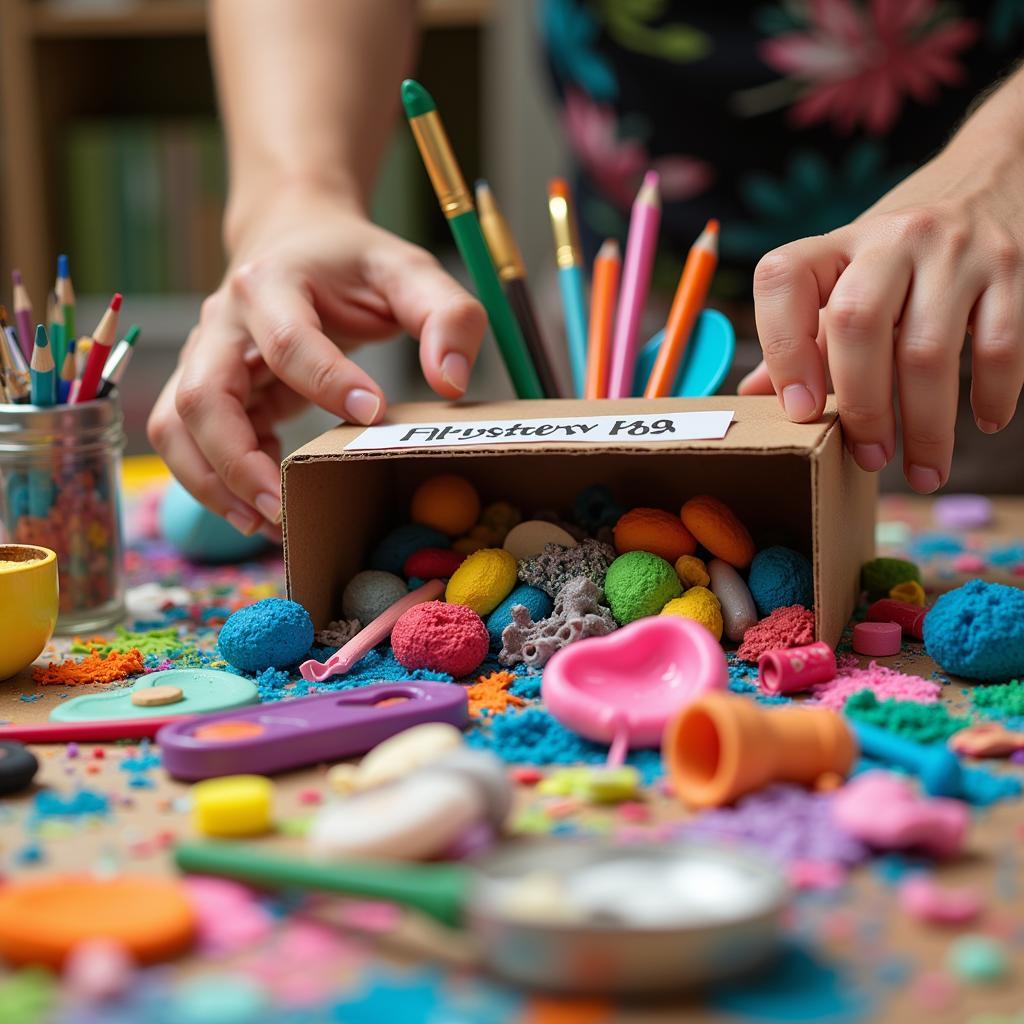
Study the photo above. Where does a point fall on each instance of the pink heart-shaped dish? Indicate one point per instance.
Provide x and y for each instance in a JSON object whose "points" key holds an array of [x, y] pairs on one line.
{"points": [[624, 687]]}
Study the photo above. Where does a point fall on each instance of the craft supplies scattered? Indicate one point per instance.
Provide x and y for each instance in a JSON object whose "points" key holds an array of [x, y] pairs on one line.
{"points": [[233, 806], [796, 669], [986, 739], [325, 727], [18, 766], [937, 767], [721, 746], [923, 898], [877, 639], [196, 691], [623, 688], [28, 604], [566, 916]]}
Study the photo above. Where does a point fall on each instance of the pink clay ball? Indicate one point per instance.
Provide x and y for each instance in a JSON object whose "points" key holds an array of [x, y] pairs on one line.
{"points": [[441, 637]]}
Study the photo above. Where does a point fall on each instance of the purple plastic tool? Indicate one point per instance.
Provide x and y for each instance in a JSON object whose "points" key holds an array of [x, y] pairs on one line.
{"points": [[269, 738]]}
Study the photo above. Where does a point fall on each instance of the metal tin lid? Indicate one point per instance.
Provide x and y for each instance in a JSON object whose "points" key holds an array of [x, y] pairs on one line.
{"points": [[94, 425]]}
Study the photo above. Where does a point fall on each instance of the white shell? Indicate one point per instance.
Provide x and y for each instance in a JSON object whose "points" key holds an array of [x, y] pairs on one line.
{"points": [[527, 540], [403, 753]]}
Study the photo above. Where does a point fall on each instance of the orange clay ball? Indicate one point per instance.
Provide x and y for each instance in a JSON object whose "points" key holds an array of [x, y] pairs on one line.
{"points": [[714, 525], [653, 530], [448, 503]]}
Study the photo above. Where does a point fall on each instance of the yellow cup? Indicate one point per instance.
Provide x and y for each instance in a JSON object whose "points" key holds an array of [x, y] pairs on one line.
{"points": [[28, 604]]}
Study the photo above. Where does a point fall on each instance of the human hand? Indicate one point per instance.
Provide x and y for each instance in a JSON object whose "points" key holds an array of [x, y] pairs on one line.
{"points": [[311, 278], [899, 288]]}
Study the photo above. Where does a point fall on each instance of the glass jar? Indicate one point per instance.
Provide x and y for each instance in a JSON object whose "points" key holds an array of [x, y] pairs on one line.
{"points": [[60, 473]]}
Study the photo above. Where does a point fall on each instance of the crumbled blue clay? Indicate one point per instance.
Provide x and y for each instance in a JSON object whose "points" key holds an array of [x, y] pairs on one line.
{"points": [[780, 577], [533, 599], [977, 631], [49, 804], [273, 633], [391, 553], [931, 545]]}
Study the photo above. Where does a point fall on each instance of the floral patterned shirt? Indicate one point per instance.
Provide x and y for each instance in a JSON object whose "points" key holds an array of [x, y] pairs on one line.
{"points": [[783, 118]]}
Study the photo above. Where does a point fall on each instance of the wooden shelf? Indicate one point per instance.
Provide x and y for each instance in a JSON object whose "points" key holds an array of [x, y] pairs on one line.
{"points": [[160, 18]]}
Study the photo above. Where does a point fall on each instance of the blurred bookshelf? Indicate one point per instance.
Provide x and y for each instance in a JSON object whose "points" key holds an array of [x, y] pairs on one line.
{"points": [[110, 150]]}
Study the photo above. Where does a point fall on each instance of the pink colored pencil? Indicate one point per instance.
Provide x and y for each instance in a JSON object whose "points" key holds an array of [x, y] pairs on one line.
{"points": [[23, 315], [369, 636], [636, 280]]}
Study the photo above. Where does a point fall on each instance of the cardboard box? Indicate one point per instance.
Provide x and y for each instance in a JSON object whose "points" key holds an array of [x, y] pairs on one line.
{"points": [[792, 484]]}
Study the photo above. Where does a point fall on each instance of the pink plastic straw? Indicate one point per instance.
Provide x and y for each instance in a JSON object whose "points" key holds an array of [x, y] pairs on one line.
{"points": [[636, 280], [369, 636]]}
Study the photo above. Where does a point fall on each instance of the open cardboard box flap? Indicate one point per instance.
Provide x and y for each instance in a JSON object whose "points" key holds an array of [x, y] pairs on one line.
{"points": [[791, 483]]}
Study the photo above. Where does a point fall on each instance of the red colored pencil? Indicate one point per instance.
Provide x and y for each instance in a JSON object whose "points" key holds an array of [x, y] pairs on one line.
{"points": [[103, 339]]}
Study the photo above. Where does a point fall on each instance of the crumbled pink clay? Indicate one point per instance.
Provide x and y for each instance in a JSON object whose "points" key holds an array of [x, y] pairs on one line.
{"points": [[884, 682], [792, 626]]}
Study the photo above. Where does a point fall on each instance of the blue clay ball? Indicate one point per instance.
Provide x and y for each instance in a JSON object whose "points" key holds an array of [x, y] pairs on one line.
{"points": [[534, 600], [977, 631], [780, 577], [273, 633], [201, 535], [391, 553], [371, 592]]}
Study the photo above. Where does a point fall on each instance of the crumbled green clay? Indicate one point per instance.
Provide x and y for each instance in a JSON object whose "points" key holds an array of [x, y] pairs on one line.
{"points": [[880, 575], [639, 584], [978, 959], [1000, 701], [922, 723], [152, 641]]}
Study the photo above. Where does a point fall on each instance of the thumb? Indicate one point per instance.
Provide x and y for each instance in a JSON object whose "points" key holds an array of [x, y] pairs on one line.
{"points": [[432, 306]]}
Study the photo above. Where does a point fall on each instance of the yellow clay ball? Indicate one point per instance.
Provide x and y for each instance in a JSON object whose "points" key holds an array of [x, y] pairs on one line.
{"points": [[483, 580], [699, 604], [692, 571], [448, 503], [910, 592], [233, 806]]}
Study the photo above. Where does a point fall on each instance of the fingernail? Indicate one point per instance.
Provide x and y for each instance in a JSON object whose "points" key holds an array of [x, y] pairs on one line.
{"points": [[924, 479], [269, 506], [455, 371], [246, 522], [870, 456], [988, 427], [798, 402], [362, 406]]}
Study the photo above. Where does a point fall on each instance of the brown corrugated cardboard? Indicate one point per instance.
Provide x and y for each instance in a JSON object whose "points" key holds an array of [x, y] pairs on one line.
{"points": [[791, 483]]}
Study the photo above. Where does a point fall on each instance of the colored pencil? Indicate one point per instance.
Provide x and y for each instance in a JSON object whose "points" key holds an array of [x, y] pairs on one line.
{"points": [[458, 208], [508, 261], [691, 293], [636, 280], [82, 347], [570, 278], [55, 318], [22, 314], [42, 372], [604, 289], [13, 368], [99, 350], [117, 362], [66, 297], [90, 732], [67, 374]]}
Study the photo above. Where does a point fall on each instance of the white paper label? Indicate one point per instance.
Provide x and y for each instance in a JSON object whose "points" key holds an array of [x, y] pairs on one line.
{"points": [[625, 429]]}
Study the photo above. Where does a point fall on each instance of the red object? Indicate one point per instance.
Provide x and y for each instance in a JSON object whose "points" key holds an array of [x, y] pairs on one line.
{"points": [[909, 616], [432, 563], [93, 371], [796, 668], [441, 637], [526, 775], [89, 732], [877, 639]]}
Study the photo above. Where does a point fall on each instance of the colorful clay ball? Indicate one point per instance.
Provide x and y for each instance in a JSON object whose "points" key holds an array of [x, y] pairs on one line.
{"points": [[715, 526], [595, 507], [371, 592], [639, 584], [653, 530], [273, 633], [432, 563], [977, 631], [448, 503], [483, 580], [440, 637], [700, 605], [880, 575], [692, 571], [780, 576], [391, 553], [534, 600]]}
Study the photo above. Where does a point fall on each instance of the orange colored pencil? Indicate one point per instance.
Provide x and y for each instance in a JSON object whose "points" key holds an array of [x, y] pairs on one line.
{"points": [[694, 283], [604, 289]]}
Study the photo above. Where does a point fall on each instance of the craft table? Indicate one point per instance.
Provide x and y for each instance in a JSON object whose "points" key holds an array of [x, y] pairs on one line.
{"points": [[856, 955]]}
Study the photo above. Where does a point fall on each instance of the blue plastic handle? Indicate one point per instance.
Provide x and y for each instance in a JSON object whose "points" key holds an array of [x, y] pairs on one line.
{"points": [[706, 361]]}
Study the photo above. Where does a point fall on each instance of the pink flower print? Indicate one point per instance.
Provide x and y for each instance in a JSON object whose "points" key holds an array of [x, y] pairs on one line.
{"points": [[856, 62], [617, 164]]}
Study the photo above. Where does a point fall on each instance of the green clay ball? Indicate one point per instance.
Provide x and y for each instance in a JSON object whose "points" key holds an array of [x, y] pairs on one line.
{"points": [[880, 575], [639, 584]]}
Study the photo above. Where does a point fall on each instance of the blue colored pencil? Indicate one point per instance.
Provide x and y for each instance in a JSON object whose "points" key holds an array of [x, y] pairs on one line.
{"points": [[570, 280], [42, 372]]}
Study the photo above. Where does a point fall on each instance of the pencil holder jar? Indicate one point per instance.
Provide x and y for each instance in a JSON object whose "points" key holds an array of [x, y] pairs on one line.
{"points": [[60, 471]]}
